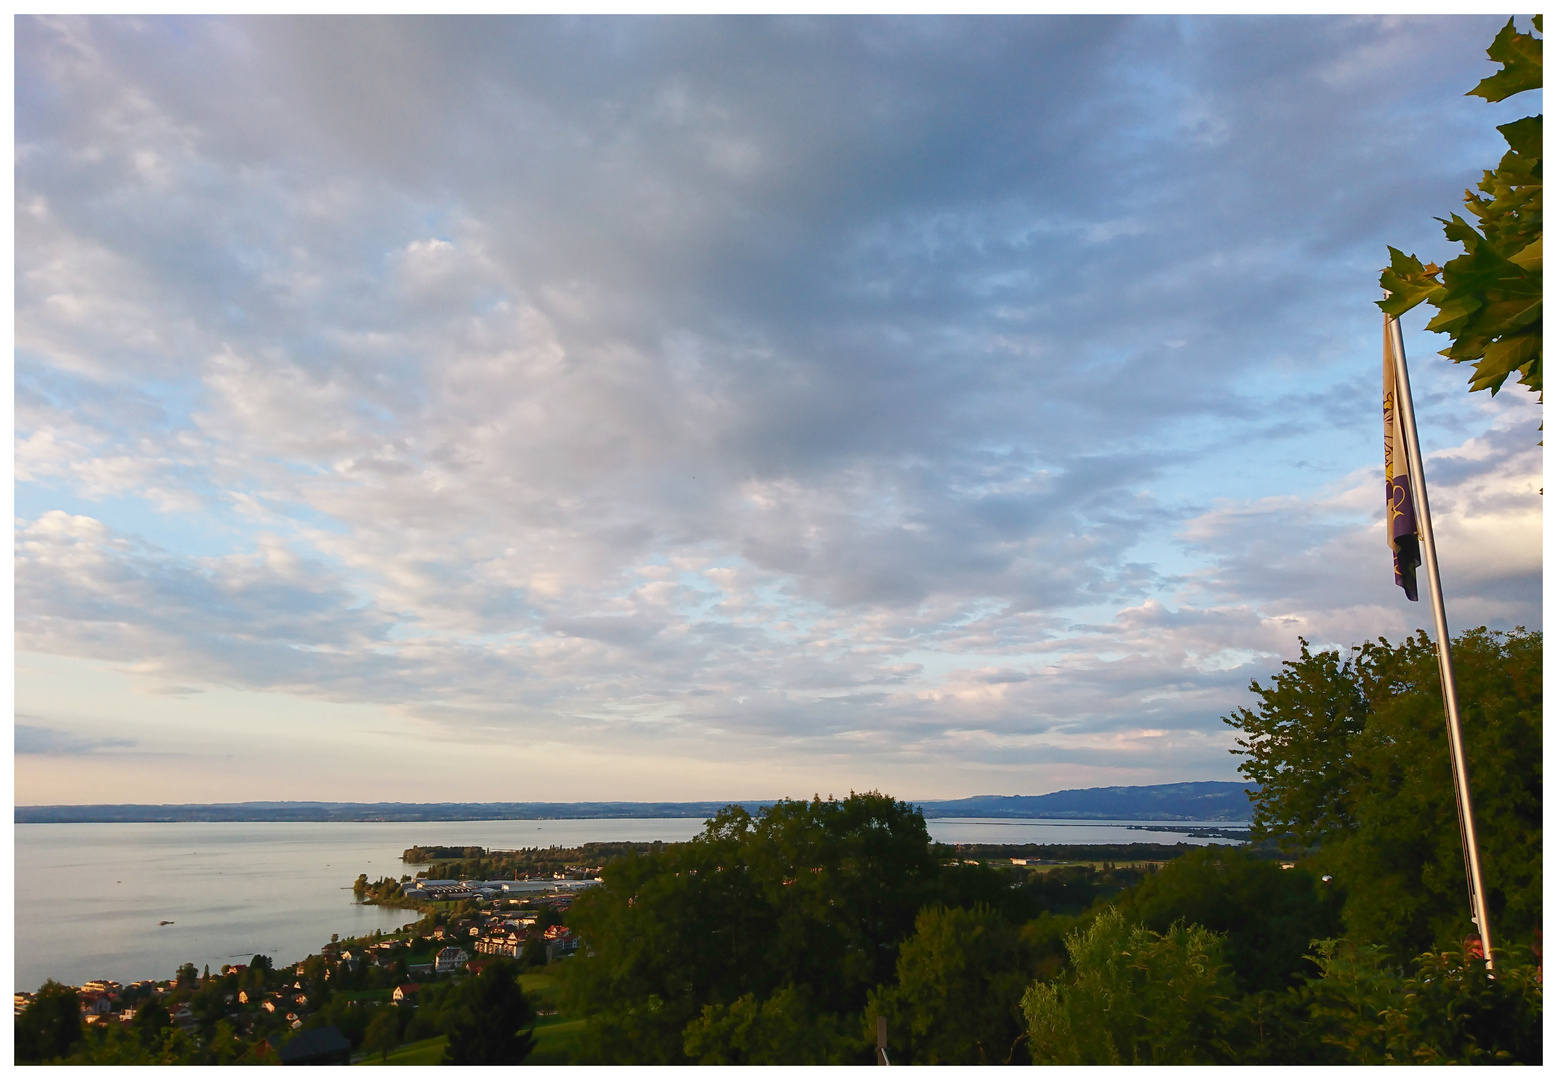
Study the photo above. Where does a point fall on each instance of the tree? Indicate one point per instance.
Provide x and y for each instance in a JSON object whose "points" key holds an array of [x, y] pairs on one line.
{"points": [[1268, 916], [959, 986], [781, 1030], [50, 1025], [151, 1020], [1349, 754], [113, 1046], [1448, 1011], [223, 1047], [258, 971], [534, 953], [1489, 298], [383, 1033], [492, 1022], [1135, 998], [814, 896]]}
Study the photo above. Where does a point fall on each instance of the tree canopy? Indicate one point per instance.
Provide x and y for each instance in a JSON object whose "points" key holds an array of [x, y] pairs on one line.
{"points": [[716, 949], [1489, 298], [491, 1022], [1350, 755]]}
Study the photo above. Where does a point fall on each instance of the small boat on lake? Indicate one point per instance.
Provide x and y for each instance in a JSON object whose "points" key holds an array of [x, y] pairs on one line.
{"points": [[166, 922]]}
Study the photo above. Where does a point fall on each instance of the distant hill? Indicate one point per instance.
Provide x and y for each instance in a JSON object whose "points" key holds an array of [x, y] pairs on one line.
{"points": [[333, 811], [1206, 801]]}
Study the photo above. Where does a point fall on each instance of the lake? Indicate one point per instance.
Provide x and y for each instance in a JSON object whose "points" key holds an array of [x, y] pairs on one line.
{"points": [[89, 897]]}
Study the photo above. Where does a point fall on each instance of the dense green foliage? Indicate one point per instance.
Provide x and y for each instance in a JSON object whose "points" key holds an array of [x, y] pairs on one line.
{"points": [[1489, 299], [492, 1021], [1365, 1011], [1134, 998], [809, 897], [50, 1024], [1350, 754], [957, 978], [383, 1033], [1268, 916], [781, 1028]]}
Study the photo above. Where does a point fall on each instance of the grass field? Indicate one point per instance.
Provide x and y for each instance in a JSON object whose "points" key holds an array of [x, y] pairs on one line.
{"points": [[554, 1041], [555, 1036], [426, 1052]]}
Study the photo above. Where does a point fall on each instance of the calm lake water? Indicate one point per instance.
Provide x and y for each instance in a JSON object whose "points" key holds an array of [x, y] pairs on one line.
{"points": [[89, 898]]}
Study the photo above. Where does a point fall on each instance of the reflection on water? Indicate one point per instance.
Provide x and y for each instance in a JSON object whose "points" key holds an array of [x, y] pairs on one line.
{"points": [[89, 898]]}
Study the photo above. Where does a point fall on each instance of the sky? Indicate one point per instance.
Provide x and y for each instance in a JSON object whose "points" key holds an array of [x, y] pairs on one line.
{"points": [[688, 408]]}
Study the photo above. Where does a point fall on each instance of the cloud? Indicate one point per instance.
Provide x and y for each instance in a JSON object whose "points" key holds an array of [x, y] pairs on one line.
{"points": [[42, 739], [908, 389]]}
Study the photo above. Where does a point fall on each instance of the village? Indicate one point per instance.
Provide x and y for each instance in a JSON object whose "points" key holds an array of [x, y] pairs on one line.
{"points": [[321, 1010]]}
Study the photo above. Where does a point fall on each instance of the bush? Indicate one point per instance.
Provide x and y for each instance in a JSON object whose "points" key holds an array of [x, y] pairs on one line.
{"points": [[1135, 998]]}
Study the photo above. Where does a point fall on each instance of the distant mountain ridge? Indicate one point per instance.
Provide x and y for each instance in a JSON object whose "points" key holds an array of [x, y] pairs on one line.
{"points": [[340, 811], [1200, 801], [1203, 800]]}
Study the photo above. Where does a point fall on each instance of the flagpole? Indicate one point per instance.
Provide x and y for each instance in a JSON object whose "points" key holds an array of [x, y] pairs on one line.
{"points": [[1451, 703]]}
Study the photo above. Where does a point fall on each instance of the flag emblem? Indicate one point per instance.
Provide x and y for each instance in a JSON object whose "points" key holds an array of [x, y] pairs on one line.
{"points": [[1400, 511]]}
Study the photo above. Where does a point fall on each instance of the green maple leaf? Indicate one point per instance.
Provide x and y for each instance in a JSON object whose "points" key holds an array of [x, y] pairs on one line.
{"points": [[1489, 299], [1520, 55]]}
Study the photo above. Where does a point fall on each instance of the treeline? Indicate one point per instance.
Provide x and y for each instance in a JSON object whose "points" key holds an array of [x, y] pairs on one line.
{"points": [[780, 937], [1118, 853], [460, 863], [385, 891]]}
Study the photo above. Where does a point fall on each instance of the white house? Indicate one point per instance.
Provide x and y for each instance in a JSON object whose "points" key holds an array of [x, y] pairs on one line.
{"points": [[451, 959]]}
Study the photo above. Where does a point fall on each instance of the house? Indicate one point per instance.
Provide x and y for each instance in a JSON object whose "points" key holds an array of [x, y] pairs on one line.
{"points": [[559, 943], [509, 944], [96, 1005], [406, 990], [451, 959], [269, 1006]]}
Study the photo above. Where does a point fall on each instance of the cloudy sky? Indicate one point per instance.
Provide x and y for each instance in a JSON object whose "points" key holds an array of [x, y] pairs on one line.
{"points": [[692, 408]]}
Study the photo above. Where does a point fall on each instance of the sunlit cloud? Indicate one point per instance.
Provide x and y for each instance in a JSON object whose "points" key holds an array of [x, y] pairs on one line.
{"points": [[918, 403]]}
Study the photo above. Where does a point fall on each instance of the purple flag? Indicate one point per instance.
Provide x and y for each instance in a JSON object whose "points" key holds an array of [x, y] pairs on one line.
{"points": [[1400, 511]]}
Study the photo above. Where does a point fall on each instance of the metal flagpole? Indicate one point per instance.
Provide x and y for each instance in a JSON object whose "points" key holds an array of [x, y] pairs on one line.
{"points": [[1451, 703]]}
